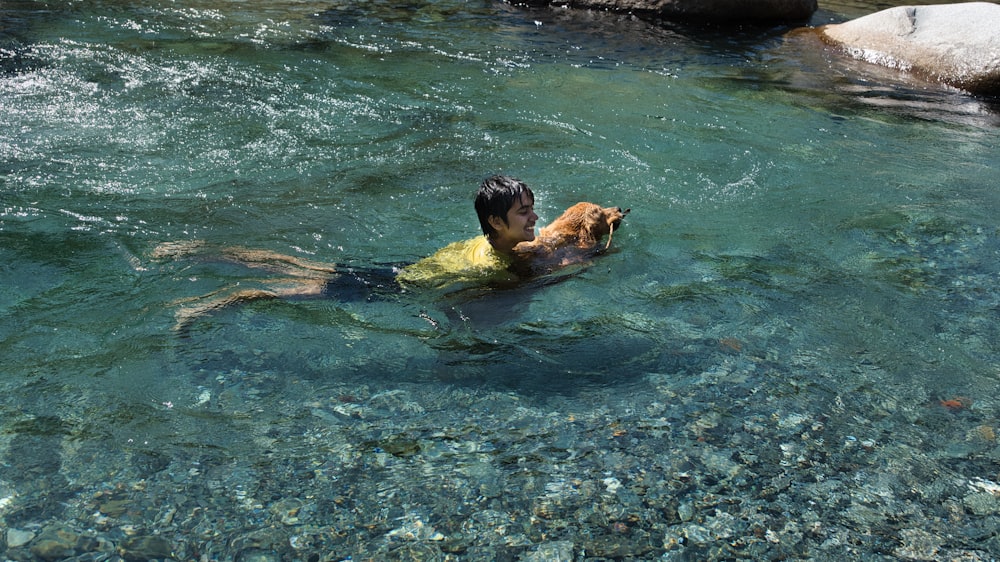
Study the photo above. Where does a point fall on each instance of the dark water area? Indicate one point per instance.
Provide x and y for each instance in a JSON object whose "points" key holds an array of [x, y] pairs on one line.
{"points": [[789, 350]]}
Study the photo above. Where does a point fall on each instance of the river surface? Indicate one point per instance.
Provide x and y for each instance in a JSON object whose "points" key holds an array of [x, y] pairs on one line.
{"points": [[790, 349]]}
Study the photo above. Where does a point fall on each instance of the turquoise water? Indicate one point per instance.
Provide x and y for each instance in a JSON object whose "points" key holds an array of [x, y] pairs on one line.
{"points": [[811, 261]]}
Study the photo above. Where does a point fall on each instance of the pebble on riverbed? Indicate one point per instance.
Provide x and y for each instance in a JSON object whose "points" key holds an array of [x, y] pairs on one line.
{"points": [[17, 538], [60, 542]]}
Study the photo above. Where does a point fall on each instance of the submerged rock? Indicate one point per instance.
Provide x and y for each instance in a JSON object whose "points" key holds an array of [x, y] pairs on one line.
{"points": [[146, 547], [18, 537], [59, 542], [956, 44], [711, 10], [558, 551]]}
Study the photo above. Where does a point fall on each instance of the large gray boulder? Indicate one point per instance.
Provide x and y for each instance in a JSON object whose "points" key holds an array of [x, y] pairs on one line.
{"points": [[710, 10], [957, 44]]}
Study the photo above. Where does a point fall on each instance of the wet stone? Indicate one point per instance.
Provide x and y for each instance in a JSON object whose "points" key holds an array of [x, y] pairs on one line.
{"points": [[146, 548], [114, 508], [18, 537], [399, 446], [287, 510], [253, 543], [417, 552], [57, 543], [634, 544], [558, 551], [918, 545], [53, 548], [982, 503], [254, 555]]}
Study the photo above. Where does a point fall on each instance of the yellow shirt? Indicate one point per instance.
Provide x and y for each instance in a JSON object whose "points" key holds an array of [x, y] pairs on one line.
{"points": [[459, 262]]}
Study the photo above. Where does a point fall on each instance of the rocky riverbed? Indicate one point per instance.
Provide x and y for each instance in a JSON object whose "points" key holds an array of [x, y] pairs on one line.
{"points": [[735, 453]]}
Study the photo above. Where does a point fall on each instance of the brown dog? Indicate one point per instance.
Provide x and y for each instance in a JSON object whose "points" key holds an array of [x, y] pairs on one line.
{"points": [[571, 238]]}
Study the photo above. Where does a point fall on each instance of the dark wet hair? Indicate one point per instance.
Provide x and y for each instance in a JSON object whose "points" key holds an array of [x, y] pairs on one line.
{"points": [[496, 196]]}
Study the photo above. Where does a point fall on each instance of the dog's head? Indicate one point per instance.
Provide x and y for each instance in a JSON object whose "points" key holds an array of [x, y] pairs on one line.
{"points": [[615, 216], [590, 222]]}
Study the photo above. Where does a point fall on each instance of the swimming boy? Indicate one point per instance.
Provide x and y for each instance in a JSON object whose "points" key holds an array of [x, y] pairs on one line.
{"points": [[505, 207], [506, 210]]}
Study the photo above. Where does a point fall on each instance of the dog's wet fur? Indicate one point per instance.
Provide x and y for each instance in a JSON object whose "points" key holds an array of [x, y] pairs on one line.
{"points": [[573, 237]]}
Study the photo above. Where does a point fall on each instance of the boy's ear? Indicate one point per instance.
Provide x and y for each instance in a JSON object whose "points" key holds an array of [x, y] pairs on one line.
{"points": [[496, 222]]}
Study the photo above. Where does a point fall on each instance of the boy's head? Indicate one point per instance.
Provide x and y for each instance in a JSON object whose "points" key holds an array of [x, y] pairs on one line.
{"points": [[496, 196]]}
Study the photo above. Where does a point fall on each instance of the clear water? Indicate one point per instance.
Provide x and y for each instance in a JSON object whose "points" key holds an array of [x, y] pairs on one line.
{"points": [[798, 219]]}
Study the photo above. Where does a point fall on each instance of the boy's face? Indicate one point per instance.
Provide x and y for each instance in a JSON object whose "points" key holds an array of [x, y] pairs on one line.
{"points": [[520, 225]]}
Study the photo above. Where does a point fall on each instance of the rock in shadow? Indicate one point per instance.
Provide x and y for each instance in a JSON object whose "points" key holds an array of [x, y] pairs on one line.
{"points": [[33, 466]]}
